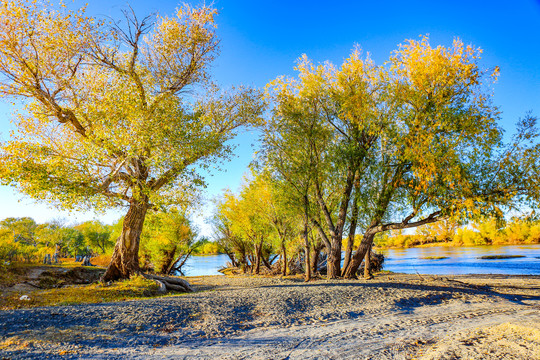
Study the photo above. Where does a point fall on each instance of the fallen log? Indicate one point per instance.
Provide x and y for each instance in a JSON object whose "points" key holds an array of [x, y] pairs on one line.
{"points": [[175, 287], [171, 283]]}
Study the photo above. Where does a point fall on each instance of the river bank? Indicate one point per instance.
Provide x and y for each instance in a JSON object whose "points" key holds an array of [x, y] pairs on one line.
{"points": [[394, 316], [425, 260]]}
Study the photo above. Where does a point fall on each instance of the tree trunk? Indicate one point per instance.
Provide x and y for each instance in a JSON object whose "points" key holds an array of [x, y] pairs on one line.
{"points": [[168, 257], [334, 259], [171, 283], [284, 258], [315, 258], [348, 253], [244, 262], [258, 253], [363, 248], [336, 232], [367, 265], [267, 262], [307, 263], [354, 221], [250, 264], [125, 257], [231, 256], [247, 263], [175, 267]]}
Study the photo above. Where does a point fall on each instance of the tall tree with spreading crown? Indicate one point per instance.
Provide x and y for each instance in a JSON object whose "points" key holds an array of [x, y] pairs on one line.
{"points": [[116, 114]]}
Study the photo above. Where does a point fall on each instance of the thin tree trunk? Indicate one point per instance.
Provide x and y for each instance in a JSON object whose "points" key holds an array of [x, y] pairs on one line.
{"points": [[284, 258], [125, 257], [306, 255], [251, 263], [266, 261], [244, 262], [232, 258], [258, 253], [183, 257], [354, 221], [307, 263]]}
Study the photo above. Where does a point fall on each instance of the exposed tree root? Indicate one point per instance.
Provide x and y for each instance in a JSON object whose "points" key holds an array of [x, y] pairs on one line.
{"points": [[162, 288], [171, 283]]}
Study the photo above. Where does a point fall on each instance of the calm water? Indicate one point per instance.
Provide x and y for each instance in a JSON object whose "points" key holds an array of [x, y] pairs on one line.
{"points": [[463, 260], [205, 265]]}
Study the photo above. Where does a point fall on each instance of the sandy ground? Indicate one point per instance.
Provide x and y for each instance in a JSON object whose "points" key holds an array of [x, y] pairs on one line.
{"points": [[394, 316]]}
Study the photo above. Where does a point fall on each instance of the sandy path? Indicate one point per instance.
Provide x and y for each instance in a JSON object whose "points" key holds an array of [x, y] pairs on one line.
{"points": [[392, 317], [376, 336]]}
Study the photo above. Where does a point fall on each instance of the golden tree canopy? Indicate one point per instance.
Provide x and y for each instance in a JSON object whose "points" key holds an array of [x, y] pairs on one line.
{"points": [[114, 114]]}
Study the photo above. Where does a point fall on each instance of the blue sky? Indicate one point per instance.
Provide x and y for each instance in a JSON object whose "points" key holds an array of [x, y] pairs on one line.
{"points": [[261, 40]]}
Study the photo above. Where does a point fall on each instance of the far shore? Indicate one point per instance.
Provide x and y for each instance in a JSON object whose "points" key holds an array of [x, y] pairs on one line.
{"points": [[448, 244], [393, 316], [427, 245]]}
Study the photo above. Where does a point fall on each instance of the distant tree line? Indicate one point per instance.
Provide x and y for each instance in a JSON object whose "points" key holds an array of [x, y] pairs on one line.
{"points": [[22, 239], [166, 242], [484, 231]]}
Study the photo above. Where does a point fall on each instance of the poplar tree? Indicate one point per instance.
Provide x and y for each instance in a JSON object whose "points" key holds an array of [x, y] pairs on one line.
{"points": [[117, 114]]}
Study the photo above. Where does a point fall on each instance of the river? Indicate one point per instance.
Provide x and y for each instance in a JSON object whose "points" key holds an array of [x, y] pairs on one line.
{"points": [[458, 260]]}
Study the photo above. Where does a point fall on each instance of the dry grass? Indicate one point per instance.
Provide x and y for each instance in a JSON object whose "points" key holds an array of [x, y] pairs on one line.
{"points": [[12, 274], [137, 287], [101, 260]]}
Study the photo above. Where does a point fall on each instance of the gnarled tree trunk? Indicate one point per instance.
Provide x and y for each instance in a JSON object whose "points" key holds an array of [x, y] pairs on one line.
{"points": [[171, 283], [125, 257], [334, 259], [315, 257], [367, 265]]}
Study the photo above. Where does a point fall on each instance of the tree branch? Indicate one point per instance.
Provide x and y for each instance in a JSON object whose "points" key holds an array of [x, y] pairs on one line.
{"points": [[405, 224]]}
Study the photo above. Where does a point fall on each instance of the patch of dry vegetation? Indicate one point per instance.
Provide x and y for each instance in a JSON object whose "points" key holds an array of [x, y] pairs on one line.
{"points": [[11, 275], [66, 284], [136, 287]]}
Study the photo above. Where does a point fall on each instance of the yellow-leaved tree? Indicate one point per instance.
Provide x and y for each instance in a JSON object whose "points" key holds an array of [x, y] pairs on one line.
{"points": [[396, 146], [115, 116]]}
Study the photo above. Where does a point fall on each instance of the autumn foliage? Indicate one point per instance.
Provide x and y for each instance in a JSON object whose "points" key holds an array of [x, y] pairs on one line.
{"points": [[115, 116], [128, 116]]}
